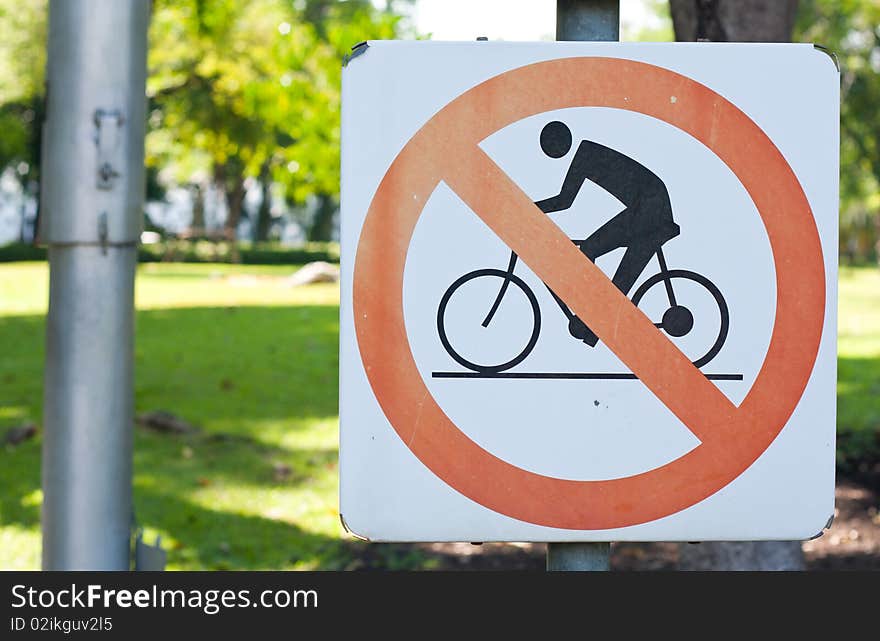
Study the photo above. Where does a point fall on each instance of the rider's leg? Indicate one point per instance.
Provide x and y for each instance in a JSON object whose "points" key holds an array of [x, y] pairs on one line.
{"points": [[633, 263], [576, 326], [631, 266], [608, 237]]}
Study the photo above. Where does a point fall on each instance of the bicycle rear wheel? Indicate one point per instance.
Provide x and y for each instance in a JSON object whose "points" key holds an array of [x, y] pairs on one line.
{"points": [[678, 320]]}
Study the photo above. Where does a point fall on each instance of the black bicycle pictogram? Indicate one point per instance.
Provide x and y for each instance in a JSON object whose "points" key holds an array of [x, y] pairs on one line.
{"points": [[677, 320], [642, 227]]}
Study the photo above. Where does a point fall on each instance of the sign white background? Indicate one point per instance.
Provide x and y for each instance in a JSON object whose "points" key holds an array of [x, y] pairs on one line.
{"points": [[587, 429]]}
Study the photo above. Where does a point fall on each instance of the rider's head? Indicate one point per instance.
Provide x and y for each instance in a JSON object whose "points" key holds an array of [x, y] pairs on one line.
{"points": [[555, 139]]}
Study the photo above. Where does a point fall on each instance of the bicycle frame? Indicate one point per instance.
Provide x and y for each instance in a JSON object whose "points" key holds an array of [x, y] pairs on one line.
{"points": [[667, 281], [502, 291]]}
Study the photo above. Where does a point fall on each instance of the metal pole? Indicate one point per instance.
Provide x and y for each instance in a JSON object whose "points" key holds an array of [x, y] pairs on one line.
{"points": [[93, 188], [584, 20], [588, 20], [573, 557]]}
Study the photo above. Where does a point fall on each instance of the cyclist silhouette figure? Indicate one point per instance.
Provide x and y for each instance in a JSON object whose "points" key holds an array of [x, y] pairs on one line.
{"points": [[642, 227]]}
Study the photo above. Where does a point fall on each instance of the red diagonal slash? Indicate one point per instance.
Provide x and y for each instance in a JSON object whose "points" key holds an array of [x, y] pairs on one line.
{"points": [[446, 149], [625, 329]]}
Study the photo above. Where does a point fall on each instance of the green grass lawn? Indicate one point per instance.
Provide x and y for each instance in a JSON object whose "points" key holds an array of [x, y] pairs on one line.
{"points": [[254, 364], [858, 365]]}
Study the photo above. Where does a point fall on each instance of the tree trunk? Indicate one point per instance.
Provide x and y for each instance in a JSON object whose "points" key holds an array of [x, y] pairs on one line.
{"points": [[39, 107], [733, 20], [322, 224], [264, 213], [737, 21], [22, 224], [229, 177], [234, 207], [198, 219], [35, 238]]}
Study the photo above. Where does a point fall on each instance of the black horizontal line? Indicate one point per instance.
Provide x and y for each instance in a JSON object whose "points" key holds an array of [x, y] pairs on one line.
{"points": [[622, 376]]}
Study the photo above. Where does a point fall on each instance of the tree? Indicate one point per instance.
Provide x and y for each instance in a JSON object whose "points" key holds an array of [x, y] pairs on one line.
{"points": [[849, 28], [743, 21], [238, 92], [22, 78], [227, 81], [251, 91], [342, 25], [733, 20]]}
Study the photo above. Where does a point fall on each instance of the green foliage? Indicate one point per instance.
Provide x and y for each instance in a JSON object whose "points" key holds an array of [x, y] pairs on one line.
{"points": [[850, 29], [236, 90], [252, 90], [217, 82], [657, 29], [22, 73], [22, 49], [15, 252], [184, 251]]}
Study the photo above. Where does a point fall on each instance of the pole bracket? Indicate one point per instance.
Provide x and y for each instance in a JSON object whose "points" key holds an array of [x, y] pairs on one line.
{"points": [[108, 125]]}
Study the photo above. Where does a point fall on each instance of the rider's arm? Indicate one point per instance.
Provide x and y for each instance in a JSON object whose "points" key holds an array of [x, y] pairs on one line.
{"points": [[555, 203], [570, 187]]}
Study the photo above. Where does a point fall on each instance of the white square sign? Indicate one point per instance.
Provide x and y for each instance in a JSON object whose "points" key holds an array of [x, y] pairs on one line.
{"points": [[588, 291]]}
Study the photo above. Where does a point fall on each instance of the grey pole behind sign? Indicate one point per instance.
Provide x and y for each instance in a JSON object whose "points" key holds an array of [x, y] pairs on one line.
{"points": [[93, 189], [588, 20], [584, 20]]}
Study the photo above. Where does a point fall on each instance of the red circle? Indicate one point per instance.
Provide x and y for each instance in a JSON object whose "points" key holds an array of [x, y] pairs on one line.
{"points": [[736, 436]]}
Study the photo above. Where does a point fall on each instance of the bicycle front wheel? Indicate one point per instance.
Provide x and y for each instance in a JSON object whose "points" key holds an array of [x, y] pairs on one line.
{"points": [[462, 320]]}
